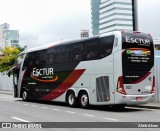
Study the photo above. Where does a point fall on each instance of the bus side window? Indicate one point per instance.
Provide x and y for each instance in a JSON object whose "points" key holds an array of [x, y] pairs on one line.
{"points": [[106, 45], [76, 52], [28, 60], [91, 49], [51, 59], [62, 54]]}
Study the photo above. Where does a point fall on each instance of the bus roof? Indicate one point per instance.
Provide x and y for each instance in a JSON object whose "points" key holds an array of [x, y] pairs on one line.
{"points": [[65, 42]]}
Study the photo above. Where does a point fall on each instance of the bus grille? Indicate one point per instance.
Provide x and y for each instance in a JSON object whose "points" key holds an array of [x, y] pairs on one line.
{"points": [[102, 89]]}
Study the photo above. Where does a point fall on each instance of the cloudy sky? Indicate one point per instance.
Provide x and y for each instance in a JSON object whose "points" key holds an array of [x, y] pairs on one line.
{"points": [[46, 21]]}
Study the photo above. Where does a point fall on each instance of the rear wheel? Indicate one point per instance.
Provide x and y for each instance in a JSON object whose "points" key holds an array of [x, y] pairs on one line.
{"points": [[24, 95], [71, 99], [84, 100]]}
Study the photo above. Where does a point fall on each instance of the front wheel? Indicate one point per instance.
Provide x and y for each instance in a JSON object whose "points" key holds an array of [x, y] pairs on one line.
{"points": [[24, 95], [84, 100]]}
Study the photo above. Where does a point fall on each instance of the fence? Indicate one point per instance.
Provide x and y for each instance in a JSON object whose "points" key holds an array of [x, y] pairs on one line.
{"points": [[157, 84], [6, 83]]}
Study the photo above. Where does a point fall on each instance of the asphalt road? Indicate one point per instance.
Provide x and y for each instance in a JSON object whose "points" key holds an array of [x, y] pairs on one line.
{"points": [[16, 110]]}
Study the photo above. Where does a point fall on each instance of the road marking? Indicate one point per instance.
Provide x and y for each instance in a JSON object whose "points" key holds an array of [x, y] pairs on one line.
{"points": [[19, 119], [111, 119], [70, 111], [26, 104], [44, 107], [158, 111], [18, 103], [56, 109], [33, 105], [88, 115]]}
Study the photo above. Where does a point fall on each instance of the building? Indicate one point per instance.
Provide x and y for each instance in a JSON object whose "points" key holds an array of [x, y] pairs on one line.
{"points": [[157, 43], [8, 37], [84, 33], [115, 15], [95, 16]]}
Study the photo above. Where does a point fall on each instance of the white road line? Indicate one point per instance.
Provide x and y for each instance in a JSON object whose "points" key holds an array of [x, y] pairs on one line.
{"points": [[26, 104], [56, 109], [70, 111], [44, 107], [111, 119], [33, 105], [18, 103], [88, 115], [19, 119]]}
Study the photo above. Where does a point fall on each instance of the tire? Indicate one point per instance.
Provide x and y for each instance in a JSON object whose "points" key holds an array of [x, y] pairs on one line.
{"points": [[24, 95], [84, 100], [71, 99]]}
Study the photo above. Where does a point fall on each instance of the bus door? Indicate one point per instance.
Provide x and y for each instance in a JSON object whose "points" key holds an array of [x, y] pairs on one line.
{"points": [[15, 81]]}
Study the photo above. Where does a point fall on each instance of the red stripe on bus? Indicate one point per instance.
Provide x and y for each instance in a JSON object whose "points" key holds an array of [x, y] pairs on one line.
{"points": [[64, 86], [141, 79]]}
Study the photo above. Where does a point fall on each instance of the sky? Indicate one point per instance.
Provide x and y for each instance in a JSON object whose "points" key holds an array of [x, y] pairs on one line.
{"points": [[46, 21]]}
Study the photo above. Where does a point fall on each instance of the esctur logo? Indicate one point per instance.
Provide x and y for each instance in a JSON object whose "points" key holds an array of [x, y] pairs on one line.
{"points": [[44, 75]]}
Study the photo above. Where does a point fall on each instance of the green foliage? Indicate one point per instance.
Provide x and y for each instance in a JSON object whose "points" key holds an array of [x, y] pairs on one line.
{"points": [[9, 56]]}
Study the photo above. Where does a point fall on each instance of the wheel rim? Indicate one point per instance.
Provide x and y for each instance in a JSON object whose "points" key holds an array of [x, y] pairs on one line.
{"points": [[24, 95], [84, 100], [71, 99]]}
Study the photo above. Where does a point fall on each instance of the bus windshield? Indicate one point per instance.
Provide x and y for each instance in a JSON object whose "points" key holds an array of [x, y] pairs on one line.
{"points": [[137, 51]]}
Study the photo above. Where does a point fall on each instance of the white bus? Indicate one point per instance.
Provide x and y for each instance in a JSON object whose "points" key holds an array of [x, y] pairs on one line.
{"points": [[111, 69]]}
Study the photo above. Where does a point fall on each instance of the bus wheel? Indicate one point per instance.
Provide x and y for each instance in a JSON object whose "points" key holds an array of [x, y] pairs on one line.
{"points": [[84, 100], [71, 99], [24, 95]]}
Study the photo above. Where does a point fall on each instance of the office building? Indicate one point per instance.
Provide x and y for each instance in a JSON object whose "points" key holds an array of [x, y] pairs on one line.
{"points": [[84, 33], [8, 37], [95, 16], [157, 43], [116, 15]]}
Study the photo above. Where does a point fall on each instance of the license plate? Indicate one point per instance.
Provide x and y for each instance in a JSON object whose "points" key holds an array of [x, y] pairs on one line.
{"points": [[139, 98]]}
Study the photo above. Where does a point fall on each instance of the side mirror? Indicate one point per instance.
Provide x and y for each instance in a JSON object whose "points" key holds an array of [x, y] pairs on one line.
{"points": [[9, 74], [24, 68]]}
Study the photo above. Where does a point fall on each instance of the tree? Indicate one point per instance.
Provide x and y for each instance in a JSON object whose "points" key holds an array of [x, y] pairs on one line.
{"points": [[9, 56]]}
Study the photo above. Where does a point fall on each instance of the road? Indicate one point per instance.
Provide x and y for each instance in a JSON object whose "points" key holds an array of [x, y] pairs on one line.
{"points": [[16, 110]]}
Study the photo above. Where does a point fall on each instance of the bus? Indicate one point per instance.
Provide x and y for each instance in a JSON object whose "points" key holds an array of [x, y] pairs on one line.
{"points": [[115, 69]]}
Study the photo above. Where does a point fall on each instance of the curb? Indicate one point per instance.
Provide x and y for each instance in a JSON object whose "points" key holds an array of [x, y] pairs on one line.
{"points": [[6, 92], [149, 106]]}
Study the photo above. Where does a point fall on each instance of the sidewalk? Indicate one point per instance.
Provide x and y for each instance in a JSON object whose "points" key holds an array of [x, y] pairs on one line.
{"points": [[8, 92], [154, 105]]}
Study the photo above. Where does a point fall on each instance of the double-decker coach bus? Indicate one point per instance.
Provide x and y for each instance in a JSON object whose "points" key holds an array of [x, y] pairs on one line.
{"points": [[111, 69]]}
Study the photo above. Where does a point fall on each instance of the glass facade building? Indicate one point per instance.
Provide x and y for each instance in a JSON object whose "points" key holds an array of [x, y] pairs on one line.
{"points": [[8, 37], [95, 16], [113, 15]]}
